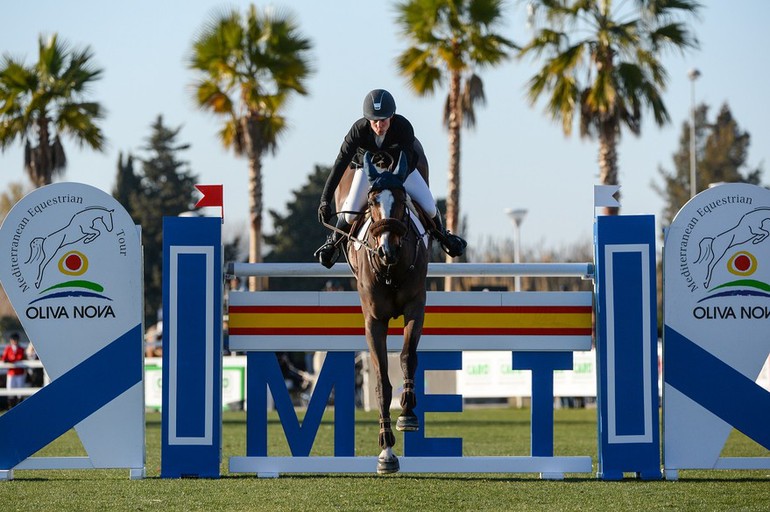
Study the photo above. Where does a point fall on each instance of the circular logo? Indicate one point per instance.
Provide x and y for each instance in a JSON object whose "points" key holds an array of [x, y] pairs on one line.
{"points": [[74, 263], [742, 263]]}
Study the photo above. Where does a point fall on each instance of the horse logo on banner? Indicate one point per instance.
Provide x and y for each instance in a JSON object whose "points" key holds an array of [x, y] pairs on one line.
{"points": [[82, 227]]}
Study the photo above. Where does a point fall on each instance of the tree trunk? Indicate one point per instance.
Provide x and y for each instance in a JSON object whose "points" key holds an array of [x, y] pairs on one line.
{"points": [[39, 164], [453, 185], [608, 161], [255, 218], [253, 149]]}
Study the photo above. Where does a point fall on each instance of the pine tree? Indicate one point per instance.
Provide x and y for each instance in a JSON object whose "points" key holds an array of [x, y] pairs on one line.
{"points": [[297, 234], [164, 187], [721, 151], [126, 181]]}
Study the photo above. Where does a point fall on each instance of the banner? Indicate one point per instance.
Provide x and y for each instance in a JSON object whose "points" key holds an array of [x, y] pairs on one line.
{"points": [[71, 266], [716, 316]]}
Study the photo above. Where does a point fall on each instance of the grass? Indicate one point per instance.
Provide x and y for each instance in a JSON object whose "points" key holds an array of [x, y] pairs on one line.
{"points": [[499, 431]]}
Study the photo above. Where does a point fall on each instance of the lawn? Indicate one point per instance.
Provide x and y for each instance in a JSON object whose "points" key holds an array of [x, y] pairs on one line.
{"points": [[485, 431]]}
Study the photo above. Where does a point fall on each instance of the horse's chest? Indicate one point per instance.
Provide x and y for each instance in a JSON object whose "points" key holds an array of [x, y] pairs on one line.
{"points": [[391, 304]]}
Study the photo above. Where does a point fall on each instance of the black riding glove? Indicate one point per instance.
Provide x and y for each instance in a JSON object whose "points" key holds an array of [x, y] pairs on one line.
{"points": [[324, 212]]}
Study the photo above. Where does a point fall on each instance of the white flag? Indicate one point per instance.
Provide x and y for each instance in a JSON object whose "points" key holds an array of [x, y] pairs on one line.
{"points": [[604, 196]]}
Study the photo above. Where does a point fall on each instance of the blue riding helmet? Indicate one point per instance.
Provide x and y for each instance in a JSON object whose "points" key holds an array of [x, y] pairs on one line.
{"points": [[379, 104]]}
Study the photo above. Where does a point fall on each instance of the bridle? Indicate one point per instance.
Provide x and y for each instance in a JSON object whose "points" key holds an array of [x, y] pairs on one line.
{"points": [[398, 226]]}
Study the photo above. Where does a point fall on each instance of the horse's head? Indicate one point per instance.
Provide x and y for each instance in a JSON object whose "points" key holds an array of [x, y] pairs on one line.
{"points": [[388, 208], [107, 220]]}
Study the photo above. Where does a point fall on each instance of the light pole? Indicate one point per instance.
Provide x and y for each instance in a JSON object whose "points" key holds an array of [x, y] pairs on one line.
{"points": [[517, 216], [693, 74]]}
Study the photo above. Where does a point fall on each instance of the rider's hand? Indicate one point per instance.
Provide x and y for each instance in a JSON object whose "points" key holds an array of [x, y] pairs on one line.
{"points": [[324, 212]]}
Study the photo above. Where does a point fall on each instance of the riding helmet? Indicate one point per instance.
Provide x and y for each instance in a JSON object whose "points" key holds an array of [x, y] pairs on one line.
{"points": [[379, 104]]}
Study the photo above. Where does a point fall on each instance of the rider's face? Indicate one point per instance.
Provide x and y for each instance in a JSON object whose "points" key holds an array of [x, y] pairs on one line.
{"points": [[380, 126]]}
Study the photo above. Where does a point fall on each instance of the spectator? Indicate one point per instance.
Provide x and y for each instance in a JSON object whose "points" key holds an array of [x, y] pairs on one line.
{"points": [[13, 353], [34, 375]]}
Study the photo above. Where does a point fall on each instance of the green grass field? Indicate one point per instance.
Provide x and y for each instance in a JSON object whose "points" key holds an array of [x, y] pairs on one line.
{"points": [[498, 431]]}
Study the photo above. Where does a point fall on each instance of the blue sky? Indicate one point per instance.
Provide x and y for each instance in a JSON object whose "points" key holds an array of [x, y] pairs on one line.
{"points": [[515, 158]]}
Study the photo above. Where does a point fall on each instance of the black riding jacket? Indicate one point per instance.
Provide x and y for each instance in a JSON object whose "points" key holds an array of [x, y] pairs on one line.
{"points": [[361, 138]]}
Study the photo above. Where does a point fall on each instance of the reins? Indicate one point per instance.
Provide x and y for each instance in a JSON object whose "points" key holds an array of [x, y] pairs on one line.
{"points": [[397, 226], [350, 236]]}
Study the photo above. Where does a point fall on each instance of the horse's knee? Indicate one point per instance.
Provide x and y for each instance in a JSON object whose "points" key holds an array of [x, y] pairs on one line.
{"points": [[383, 387]]}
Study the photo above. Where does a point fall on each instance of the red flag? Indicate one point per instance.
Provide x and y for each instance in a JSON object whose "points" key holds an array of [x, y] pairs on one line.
{"points": [[212, 196]]}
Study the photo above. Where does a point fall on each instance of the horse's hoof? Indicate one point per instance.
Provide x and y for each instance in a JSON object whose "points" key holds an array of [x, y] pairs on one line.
{"points": [[387, 466], [407, 424]]}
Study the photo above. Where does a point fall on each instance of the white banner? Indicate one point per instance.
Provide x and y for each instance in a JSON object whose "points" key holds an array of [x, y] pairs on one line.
{"points": [[489, 375]]}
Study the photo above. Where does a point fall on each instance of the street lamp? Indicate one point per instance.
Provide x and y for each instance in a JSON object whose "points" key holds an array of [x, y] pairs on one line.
{"points": [[517, 216], [693, 74]]}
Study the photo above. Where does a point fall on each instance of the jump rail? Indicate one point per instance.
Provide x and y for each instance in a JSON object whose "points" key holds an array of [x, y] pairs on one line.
{"points": [[582, 270]]}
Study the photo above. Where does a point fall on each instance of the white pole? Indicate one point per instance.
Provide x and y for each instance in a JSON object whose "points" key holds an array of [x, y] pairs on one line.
{"points": [[583, 270], [517, 216], [693, 74]]}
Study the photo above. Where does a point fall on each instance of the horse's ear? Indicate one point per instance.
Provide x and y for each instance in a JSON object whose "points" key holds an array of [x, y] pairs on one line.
{"points": [[402, 170], [369, 168]]}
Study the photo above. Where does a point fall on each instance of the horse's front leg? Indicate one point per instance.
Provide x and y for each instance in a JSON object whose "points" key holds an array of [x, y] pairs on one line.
{"points": [[376, 337], [407, 420]]}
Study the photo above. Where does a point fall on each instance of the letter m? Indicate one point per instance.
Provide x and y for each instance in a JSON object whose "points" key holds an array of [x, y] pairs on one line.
{"points": [[337, 374]]}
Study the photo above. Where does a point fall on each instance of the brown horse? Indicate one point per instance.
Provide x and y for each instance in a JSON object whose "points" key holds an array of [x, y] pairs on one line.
{"points": [[391, 264]]}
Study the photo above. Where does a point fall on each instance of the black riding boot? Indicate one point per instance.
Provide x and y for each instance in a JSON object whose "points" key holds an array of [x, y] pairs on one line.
{"points": [[329, 252], [453, 245]]}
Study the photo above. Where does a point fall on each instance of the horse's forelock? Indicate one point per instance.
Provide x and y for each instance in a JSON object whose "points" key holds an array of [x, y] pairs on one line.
{"points": [[387, 202]]}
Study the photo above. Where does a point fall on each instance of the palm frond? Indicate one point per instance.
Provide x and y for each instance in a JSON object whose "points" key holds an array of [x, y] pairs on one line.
{"points": [[247, 67], [473, 94], [42, 102]]}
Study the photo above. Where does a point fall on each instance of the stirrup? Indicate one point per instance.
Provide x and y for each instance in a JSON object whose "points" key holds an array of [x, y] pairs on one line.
{"points": [[328, 253], [453, 245]]}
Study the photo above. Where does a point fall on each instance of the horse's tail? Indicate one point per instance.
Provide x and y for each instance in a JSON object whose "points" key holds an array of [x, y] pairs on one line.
{"points": [[35, 249], [705, 252]]}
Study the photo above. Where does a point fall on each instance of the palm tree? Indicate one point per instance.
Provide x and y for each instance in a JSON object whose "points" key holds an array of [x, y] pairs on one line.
{"points": [[42, 102], [248, 67], [450, 40], [602, 65]]}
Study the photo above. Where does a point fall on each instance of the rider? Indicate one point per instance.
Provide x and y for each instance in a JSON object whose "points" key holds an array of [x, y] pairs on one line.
{"points": [[380, 130]]}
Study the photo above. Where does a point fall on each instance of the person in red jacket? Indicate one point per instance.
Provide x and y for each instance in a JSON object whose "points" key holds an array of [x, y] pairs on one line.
{"points": [[13, 353]]}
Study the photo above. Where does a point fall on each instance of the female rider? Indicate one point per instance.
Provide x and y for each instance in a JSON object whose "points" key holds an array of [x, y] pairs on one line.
{"points": [[380, 130]]}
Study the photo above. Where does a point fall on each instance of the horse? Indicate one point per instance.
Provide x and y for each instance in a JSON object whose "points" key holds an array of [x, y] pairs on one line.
{"points": [[390, 263], [751, 227], [81, 227]]}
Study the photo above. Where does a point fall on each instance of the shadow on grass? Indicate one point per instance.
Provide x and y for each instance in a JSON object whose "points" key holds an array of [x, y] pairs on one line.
{"points": [[494, 477]]}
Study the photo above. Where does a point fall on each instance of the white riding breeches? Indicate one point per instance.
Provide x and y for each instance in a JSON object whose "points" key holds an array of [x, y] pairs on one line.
{"points": [[414, 184]]}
